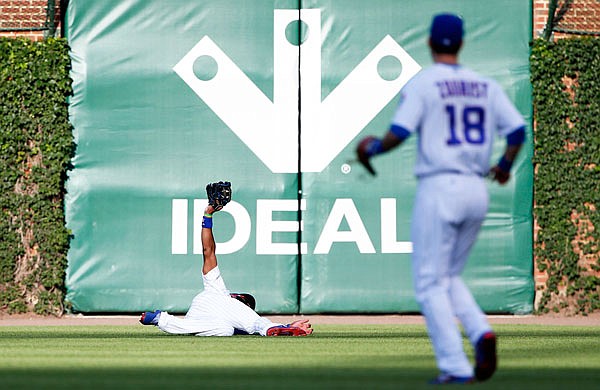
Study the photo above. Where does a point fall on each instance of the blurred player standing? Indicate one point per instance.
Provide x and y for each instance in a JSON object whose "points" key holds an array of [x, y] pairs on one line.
{"points": [[455, 113]]}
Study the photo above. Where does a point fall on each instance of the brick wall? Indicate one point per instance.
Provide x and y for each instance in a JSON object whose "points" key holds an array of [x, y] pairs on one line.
{"points": [[26, 18], [572, 17], [583, 15]]}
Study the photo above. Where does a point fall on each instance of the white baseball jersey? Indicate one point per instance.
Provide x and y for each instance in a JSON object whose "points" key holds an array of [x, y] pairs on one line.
{"points": [[455, 112], [214, 312]]}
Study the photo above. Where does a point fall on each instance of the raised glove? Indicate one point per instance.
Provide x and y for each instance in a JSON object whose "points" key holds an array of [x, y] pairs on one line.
{"points": [[219, 194]]}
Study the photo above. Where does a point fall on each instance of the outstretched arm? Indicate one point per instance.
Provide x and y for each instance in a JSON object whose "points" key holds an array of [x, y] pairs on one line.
{"points": [[208, 241]]}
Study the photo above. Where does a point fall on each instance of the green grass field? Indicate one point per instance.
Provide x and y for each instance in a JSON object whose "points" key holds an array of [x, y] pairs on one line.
{"points": [[334, 357]]}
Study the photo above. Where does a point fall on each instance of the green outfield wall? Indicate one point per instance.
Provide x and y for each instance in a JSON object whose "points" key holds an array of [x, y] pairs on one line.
{"points": [[272, 96]]}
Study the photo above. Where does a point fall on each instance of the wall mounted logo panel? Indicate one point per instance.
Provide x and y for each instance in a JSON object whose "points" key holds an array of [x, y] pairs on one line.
{"points": [[328, 125]]}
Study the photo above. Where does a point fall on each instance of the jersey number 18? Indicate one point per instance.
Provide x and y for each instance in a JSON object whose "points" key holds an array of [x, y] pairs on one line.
{"points": [[473, 119]]}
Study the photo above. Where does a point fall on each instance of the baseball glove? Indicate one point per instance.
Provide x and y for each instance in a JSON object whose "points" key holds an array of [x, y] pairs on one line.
{"points": [[219, 194], [367, 149]]}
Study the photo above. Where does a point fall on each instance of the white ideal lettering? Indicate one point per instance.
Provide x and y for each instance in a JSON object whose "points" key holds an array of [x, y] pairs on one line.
{"points": [[179, 226], [265, 226], [241, 235], [389, 231], [344, 208]]}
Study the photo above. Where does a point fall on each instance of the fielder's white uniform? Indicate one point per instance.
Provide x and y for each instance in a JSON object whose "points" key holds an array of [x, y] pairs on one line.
{"points": [[455, 113], [214, 312]]}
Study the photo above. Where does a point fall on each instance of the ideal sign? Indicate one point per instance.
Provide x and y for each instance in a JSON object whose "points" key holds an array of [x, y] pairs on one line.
{"points": [[265, 226]]}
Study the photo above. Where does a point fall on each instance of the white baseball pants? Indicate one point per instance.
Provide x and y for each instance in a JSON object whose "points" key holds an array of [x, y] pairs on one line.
{"points": [[448, 212], [214, 313]]}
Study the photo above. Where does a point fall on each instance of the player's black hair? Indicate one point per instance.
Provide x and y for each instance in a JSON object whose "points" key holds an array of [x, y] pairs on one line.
{"points": [[445, 49]]}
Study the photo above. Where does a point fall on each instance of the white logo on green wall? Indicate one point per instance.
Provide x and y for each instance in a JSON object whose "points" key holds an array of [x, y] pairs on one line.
{"points": [[328, 125]]}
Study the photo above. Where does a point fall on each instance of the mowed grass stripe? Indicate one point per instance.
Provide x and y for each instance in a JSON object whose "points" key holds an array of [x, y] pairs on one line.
{"points": [[335, 356]]}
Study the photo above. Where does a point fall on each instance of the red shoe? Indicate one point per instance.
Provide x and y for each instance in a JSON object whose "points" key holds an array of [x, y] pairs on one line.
{"points": [[285, 330]]}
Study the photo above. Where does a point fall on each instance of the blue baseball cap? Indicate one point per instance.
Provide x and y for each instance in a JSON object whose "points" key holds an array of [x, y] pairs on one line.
{"points": [[446, 31]]}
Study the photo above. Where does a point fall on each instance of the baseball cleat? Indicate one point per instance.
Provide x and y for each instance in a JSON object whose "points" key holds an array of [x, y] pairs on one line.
{"points": [[445, 379], [285, 330], [485, 356], [150, 318]]}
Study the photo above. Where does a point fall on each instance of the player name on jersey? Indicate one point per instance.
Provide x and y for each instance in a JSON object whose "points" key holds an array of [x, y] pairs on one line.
{"points": [[465, 88]]}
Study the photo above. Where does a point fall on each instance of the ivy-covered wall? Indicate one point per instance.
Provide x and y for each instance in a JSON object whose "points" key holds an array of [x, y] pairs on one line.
{"points": [[36, 146], [566, 87]]}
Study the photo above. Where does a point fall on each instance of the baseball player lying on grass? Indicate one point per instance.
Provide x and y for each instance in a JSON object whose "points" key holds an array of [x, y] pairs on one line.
{"points": [[214, 311]]}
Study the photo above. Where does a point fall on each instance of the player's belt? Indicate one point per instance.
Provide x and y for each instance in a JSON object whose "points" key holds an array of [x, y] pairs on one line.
{"points": [[449, 172]]}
